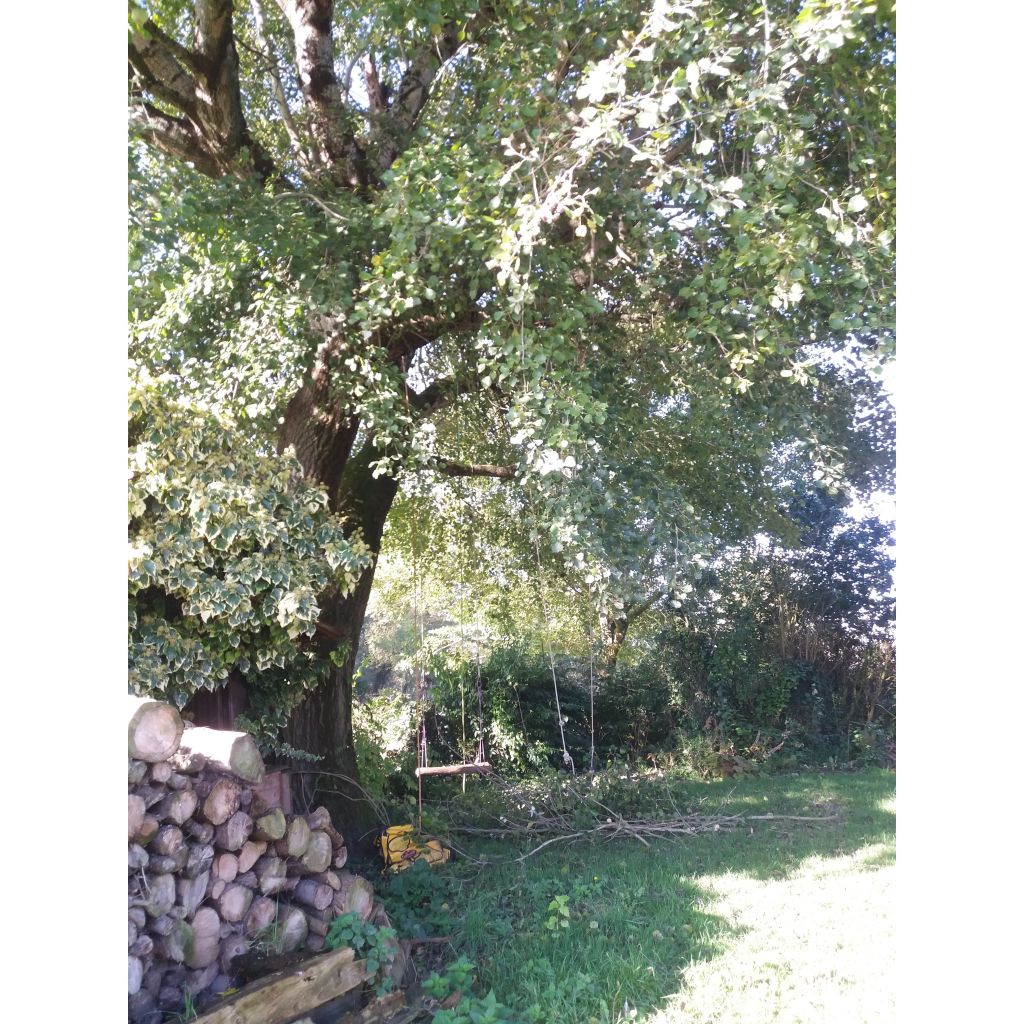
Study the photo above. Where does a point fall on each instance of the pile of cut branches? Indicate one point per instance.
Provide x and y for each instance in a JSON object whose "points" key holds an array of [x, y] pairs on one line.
{"points": [[572, 810]]}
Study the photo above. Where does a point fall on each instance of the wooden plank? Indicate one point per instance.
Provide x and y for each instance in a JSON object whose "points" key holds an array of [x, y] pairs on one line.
{"points": [[479, 768], [290, 994]]}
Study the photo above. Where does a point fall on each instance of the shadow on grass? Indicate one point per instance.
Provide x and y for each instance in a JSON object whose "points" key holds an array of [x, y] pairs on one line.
{"points": [[638, 916]]}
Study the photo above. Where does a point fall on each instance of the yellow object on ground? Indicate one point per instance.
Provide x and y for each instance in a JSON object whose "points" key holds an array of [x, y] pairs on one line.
{"points": [[401, 846]]}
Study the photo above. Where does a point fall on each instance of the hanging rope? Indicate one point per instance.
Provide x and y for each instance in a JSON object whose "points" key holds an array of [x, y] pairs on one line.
{"points": [[421, 744], [481, 751], [593, 724], [566, 756]]}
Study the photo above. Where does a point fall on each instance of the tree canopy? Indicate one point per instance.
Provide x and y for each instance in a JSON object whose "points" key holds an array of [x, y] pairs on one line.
{"points": [[601, 252]]}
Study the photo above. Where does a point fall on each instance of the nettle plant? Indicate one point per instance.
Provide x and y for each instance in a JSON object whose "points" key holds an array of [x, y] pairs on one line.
{"points": [[229, 549], [375, 945]]}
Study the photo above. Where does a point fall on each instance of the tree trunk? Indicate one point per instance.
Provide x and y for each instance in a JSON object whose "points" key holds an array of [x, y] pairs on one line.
{"points": [[322, 723]]}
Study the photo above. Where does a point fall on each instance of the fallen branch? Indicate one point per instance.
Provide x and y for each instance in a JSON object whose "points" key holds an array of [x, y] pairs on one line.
{"points": [[616, 827]]}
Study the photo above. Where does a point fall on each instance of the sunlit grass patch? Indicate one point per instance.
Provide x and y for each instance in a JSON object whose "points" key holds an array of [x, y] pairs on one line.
{"points": [[782, 921]]}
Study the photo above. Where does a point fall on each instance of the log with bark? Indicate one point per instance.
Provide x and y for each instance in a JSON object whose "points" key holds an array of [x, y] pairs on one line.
{"points": [[234, 752], [154, 729]]}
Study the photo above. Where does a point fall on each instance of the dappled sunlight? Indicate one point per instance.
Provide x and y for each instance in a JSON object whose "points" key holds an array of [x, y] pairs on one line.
{"points": [[782, 919], [888, 804], [818, 946]]}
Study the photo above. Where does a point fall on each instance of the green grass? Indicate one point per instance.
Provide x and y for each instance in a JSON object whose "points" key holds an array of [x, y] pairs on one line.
{"points": [[789, 922]]}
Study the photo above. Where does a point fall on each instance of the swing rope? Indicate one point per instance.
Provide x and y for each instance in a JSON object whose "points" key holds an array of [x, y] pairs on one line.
{"points": [[593, 724], [421, 753], [566, 756]]}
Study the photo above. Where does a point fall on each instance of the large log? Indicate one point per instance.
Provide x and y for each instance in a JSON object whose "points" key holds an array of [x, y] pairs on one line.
{"points": [[149, 828], [328, 878], [134, 975], [136, 812], [296, 839], [169, 865], [178, 807], [178, 781], [150, 795], [250, 853], [177, 942], [270, 826], [274, 791], [136, 772], [205, 946], [292, 928], [318, 853], [227, 751], [138, 859], [320, 821], [234, 832], [234, 903], [222, 801], [200, 831], [160, 897], [290, 994], [154, 729], [262, 915], [355, 895], [272, 873], [200, 860], [313, 894], [191, 892], [168, 841], [226, 866]]}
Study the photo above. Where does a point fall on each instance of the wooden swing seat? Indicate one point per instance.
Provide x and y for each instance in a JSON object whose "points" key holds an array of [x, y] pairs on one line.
{"points": [[476, 768]]}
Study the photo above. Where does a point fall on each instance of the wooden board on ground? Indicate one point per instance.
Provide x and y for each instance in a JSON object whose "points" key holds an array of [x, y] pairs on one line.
{"points": [[291, 994]]}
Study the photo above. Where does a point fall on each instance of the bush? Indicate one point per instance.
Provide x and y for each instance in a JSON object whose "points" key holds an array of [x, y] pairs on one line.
{"points": [[384, 730]]}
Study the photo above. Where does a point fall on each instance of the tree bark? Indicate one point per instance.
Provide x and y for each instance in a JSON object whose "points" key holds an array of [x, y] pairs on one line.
{"points": [[322, 723]]}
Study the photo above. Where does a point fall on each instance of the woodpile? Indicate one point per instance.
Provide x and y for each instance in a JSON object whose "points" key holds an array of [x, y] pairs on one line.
{"points": [[215, 872]]}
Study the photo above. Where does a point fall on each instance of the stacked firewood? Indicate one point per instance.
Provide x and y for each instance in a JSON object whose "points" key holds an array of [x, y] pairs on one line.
{"points": [[216, 867]]}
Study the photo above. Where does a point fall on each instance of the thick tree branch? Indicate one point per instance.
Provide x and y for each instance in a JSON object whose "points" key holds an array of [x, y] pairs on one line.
{"points": [[405, 339], [278, 89], [374, 90], [213, 33], [413, 91], [157, 69], [633, 612], [311, 22], [174, 135], [213, 134], [450, 468]]}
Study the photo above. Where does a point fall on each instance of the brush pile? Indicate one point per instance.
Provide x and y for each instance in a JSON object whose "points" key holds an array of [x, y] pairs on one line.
{"points": [[217, 866], [613, 805]]}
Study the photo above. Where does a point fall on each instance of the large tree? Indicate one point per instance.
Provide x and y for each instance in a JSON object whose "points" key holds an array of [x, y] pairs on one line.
{"points": [[453, 236]]}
